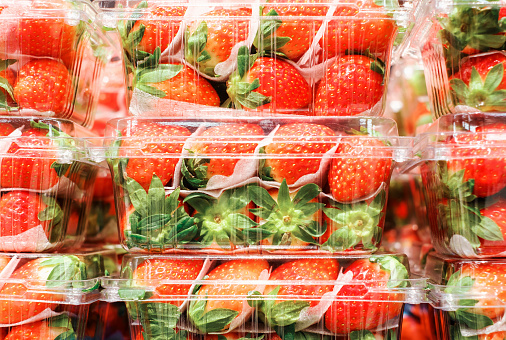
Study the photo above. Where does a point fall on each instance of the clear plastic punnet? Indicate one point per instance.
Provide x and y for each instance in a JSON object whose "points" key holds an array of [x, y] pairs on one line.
{"points": [[45, 184], [467, 297], [52, 54], [463, 168], [47, 295], [321, 58], [269, 297], [463, 46], [253, 185]]}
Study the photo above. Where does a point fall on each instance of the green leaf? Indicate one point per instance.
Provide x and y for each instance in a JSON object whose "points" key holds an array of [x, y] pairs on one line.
{"points": [[52, 212], [244, 61], [6, 63], [159, 320], [197, 40], [4, 84], [487, 229], [362, 335], [473, 320], [215, 320], [341, 239], [307, 193], [286, 312], [284, 200], [160, 74], [135, 37], [156, 196], [152, 90], [128, 294], [261, 197], [475, 83], [204, 56], [494, 78], [137, 195], [398, 272]]}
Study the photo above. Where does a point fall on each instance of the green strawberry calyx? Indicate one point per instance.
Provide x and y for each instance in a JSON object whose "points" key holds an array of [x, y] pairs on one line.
{"points": [[220, 221], [481, 94], [66, 270], [157, 221], [281, 316], [150, 71], [362, 335], [240, 90], [460, 285], [214, 320], [52, 212], [288, 218], [195, 50], [194, 172], [6, 88], [131, 39], [266, 40], [358, 223], [398, 272], [62, 321], [159, 321]]}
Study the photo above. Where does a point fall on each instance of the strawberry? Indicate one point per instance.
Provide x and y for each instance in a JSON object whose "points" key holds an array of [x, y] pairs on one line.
{"points": [[53, 273], [6, 129], [155, 222], [481, 83], [153, 138], [209, 40], [360, 167], [4, 261], [267, 84], [351, 85], [7, 80], [354, 226], [58, 327], [356, 308], [369, 27], [483, 281], [276, 302], [297, 139], [156, 28], [174, 82], [288, 220], [497, 214], [289, 35], [219, 140], [34, 164], [224, 223], [212, 310], [44, 85], [23, 210], [477, 162]]}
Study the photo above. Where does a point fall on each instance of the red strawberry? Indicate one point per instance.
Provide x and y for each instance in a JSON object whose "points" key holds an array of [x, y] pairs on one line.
{"points": [[44, 85], [357, 308], [152, 272], [7, 80], [478, 279], [350, 86], [209, 40], [157, 28], [44, 30], [177, 82], [53, 273], [58, 327], [267, 84], [226, 139], [369, 28], [211, 314], [479, 156], [4, 261], [481, 82], [361, 165], [23, 210], [35, 169], [154, 138], [298, 139], [497, 213], [289, 35], [305, 292], [6, 129]]}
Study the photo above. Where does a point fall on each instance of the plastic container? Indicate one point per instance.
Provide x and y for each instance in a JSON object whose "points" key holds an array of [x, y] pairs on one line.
{"points": [[251, 185], [42, 293], [461, 159], [56, 49], [45, 186], [183, 56], [467, 297], [276, 296], [457, 37]]}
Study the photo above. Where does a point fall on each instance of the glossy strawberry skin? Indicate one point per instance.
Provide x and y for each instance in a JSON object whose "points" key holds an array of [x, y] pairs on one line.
{"points": [[35, 330], [30, 169], [309, 270], [300, 31], [349, 87], [44, 85], [152, 271], [161, 24], [496, 212], [483, 64], [19, 212], [352, 178], [363, 31], [187, 86], [6, 128], [226, 140], [142, 169], [484, 161], [308, 139], [364, 310]]}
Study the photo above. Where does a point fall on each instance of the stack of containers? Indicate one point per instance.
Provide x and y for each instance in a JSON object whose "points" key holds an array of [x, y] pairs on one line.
{"points": [[51, 57], [262, 218], [462, 164]]}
